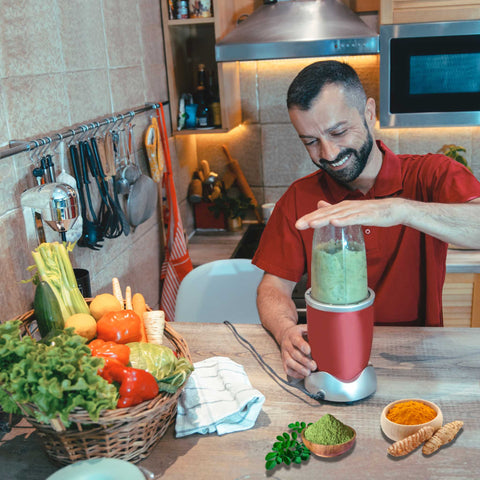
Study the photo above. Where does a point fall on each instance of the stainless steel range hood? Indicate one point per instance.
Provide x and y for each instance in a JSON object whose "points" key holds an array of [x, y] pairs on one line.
{"points": [[297, 29]]}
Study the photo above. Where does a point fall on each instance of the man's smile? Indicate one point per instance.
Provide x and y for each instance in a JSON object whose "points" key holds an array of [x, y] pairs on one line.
{"points": [[341, 161]]}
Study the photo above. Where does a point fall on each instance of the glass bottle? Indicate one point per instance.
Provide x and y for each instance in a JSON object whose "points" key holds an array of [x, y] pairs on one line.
{"points": [[171, 9], [201, 98], [215, 111], [182, 9], [339, 265]]}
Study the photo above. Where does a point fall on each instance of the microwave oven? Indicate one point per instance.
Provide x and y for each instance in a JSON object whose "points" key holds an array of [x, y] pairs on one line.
{"points": [[430, 74]]}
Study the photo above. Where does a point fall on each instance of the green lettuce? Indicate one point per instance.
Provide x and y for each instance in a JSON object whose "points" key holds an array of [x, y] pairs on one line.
{"points": [[55, 378]]}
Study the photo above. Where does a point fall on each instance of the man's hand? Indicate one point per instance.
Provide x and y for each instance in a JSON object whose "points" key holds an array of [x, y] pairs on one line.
{"points": [[296, 358], [279, 316], [456, 223], [381, 213]]}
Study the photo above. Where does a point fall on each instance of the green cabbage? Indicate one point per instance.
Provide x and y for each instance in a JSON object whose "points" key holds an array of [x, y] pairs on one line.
{"points": [[159, 360]]}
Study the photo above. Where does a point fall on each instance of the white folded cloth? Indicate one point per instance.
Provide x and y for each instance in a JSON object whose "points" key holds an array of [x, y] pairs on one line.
{"points": [[218, 396]]}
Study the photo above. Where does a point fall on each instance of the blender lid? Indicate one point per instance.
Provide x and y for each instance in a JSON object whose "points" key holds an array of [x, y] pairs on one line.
{"points": [[330, 307]]}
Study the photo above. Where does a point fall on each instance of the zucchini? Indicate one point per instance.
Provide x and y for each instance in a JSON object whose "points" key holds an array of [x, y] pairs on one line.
{"points": [[47, 310]]}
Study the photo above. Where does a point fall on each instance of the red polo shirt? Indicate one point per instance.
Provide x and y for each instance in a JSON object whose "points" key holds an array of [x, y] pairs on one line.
{"points": [[406, 268]]}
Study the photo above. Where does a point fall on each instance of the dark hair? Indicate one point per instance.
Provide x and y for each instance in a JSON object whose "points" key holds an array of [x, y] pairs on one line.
{"points": [[308, 84]]}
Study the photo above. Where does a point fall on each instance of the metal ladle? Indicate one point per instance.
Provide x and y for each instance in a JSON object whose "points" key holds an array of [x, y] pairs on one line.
{"points": [[122, 186]]}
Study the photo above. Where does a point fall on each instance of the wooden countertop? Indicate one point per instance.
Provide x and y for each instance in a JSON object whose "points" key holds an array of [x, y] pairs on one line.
{"points": [[463, 261], [436, 364], [208, 246]]}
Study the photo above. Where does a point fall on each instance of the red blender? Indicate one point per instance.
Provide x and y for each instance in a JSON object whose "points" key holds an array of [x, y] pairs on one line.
{"points": [[340, 316]]}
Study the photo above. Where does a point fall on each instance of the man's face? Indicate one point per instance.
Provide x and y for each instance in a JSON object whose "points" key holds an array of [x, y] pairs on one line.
{"points": [[335, 134]]}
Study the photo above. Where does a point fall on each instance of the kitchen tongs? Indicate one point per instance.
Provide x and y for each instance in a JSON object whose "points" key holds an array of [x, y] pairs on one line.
{"points": [[90, 235]]}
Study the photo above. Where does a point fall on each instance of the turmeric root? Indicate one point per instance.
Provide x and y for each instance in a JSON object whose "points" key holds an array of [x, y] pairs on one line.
{"points": [[442, 436], [410, 443]]}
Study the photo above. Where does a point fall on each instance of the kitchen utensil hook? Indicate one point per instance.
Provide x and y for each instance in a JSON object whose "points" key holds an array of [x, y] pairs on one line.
{"points": [[83, 133], [73, 137], [95, 124], [123, 118], [34, 153], [48, 145], [57, 142], [106, 127], [90, 127], [42, 148]]}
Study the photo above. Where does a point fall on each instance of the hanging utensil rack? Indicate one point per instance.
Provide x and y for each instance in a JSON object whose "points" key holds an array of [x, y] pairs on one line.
{"points": [[19, 146]]}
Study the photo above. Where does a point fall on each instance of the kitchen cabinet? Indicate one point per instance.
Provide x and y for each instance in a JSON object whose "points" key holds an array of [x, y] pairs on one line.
{"points": [[461, 300], [417, 11], [190, 42], [361, 6]]}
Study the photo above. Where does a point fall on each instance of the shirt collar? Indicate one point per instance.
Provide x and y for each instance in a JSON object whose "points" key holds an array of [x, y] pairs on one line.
{"points": [[388, 181]]}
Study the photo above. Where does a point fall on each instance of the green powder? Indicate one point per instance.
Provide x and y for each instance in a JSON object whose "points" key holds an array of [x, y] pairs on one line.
{"points": [[328, 431], [339, 275]]}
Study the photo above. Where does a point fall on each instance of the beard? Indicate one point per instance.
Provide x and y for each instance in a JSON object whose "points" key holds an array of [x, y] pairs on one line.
{"points": [[356, 163]]}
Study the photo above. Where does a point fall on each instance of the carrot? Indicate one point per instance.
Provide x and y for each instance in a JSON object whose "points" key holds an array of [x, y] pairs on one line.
{"points": [[128, 298], [140, 307], [117, 291]]}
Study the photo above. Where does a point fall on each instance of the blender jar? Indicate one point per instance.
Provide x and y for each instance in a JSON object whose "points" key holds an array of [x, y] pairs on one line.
{"points": [[339, 265]]}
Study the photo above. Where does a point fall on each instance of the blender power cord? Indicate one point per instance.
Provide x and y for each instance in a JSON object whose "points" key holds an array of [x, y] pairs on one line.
{"points": [[268, 369]]}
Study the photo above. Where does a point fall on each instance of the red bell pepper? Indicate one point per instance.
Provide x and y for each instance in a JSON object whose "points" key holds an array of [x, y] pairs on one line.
{"points": [[110, 350], [136, 385], [123, 326]]}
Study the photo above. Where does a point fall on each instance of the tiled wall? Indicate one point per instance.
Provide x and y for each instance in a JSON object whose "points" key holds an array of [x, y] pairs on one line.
{"points": [[64, 63]]}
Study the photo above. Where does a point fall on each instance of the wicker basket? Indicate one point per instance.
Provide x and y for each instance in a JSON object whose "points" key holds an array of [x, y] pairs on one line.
{"points": [[125, 433]]}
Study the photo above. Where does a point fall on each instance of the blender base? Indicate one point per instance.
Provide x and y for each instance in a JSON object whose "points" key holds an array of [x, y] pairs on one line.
{"points": [[332, 389]]}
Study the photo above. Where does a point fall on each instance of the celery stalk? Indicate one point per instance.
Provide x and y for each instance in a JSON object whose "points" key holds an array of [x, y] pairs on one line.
{"points": [[54, 266]]}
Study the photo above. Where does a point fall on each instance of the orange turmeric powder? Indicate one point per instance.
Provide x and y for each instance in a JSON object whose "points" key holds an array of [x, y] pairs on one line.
{"points": [[411, 412]]}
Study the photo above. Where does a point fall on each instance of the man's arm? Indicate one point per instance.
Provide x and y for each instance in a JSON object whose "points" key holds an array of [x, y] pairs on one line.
{"points": [[457, 223], [279, 316]]}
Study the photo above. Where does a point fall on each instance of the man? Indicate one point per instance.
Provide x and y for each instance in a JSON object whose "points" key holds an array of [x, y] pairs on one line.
{"points": [[410, 207]]}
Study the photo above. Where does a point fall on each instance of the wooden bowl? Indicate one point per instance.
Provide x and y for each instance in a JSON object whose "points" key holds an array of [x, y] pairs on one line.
{"points": [[330, 450], [396, 431]]}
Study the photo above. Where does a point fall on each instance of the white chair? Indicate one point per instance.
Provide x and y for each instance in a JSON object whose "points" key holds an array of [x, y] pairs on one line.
{"points": [[218, 291]]}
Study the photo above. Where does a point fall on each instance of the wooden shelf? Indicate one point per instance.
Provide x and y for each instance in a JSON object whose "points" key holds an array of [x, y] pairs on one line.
{"points": [[200, 131], [189, 42], [190, 21], [415, 11], [360, 6]]}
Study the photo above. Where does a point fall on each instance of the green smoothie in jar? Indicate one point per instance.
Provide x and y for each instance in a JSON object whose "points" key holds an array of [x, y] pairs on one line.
{"points": [[339, 270]]}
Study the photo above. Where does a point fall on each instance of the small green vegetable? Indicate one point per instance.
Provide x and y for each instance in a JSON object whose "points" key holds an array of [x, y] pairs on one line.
{"points": [[170, 384], [55, 378], [47, 310], [54, 267], [288, 449]]}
